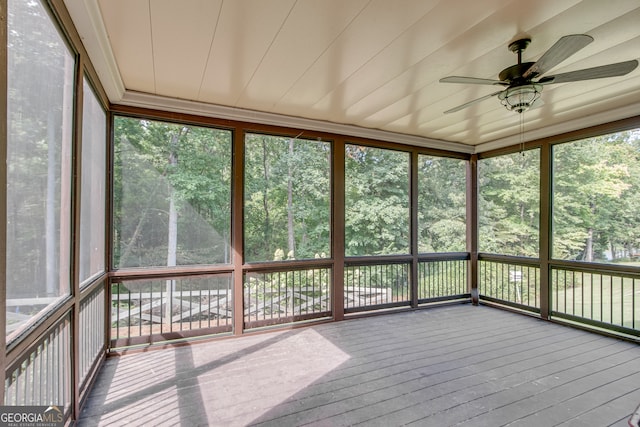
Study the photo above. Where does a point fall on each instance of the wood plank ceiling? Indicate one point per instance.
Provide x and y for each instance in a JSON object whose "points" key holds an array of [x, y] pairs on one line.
{"points": [[367, 63]]}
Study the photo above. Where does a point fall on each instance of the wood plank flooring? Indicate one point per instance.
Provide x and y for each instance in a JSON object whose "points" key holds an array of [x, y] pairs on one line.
{"points": [[453, 365]]}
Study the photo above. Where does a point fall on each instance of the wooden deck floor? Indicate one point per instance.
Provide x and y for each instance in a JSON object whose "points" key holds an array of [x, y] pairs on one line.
{"points": [[444, 366]]}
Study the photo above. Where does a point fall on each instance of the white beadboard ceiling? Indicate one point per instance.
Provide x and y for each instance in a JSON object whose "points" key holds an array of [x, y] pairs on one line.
{"points": [[361, 66]]}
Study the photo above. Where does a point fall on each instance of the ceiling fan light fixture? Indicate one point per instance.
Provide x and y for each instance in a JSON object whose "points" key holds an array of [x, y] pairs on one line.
{"points": [[520, 98]]}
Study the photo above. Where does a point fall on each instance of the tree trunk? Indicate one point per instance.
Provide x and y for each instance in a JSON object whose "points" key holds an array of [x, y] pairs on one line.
{"points": [[172, 244], [588, 251], [51, 235], [290, 231], [225, 236], [265, 199]]}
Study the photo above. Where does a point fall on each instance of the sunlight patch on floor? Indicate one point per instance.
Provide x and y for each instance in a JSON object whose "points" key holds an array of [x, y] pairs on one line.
{"points": [[258, 381]]}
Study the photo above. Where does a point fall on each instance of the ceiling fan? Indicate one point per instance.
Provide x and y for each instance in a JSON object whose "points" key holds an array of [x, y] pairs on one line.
{"points": [[524, 81]]}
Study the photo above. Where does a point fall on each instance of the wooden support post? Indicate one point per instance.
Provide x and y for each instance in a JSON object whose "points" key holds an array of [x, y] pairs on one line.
{"points": [[76, 183], [545, 229], [237, 243], [414, 229], [472, 227], [337, 237]]}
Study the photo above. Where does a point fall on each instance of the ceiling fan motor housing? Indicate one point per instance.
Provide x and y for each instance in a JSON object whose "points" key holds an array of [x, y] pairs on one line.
{"points": [[514, 73]]}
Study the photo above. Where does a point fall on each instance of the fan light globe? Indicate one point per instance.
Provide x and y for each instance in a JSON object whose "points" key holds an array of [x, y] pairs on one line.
{"points": [[520, 98]]}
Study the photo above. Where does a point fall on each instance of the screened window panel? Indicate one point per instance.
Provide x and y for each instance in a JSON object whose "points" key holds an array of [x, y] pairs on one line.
{"points": [[40, 119], [172, 194], [509, 204], [596, 209], [376, 201], [93, 187], [441, 204], [287, 198]]}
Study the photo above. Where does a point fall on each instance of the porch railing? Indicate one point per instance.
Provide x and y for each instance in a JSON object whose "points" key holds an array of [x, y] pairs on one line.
{"points": [[284, 296], [92, 331], [146, 311], [40, 377], [594, 295], [371, 285], [510, 280], [598, 297], [443, 278]]}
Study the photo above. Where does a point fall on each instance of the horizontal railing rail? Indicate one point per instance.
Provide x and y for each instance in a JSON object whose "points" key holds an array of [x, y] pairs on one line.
{"points": [[444, 256], [509, 259]]}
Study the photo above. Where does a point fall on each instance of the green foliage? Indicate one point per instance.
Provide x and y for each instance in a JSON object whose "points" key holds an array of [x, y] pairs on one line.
{"points": [[157, 164], [595, 210], [286, 180], [509, 203], [442, 204], [596, 213], [287, 195], [376, 201]]}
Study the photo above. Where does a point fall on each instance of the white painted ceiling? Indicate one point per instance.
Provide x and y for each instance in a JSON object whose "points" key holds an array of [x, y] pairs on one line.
{"points": [[369, 64]]}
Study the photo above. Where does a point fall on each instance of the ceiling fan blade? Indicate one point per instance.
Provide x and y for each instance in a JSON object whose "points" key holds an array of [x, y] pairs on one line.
{"points": [[460, 107], [561, 50], [610, 70], [472, 80]]}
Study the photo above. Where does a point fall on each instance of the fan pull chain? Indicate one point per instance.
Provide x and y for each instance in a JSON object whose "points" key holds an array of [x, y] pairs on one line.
{"points": [[522, 133]]}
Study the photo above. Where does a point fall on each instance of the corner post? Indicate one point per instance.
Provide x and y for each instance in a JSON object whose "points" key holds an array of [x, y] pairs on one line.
{"points": [[545, 229], [472, 227], [237, 242], [337, 236], [414, 229]]}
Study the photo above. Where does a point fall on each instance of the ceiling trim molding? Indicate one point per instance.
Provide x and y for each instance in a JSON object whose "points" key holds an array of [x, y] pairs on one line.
{"points": [[620, 113], [87, 18], [145, 100]]}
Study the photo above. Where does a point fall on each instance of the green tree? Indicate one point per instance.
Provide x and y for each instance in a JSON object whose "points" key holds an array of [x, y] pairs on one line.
{"points": [[376, 201], [442, 204], [595, 183], [172, 193], [508, 203], [287, 198]]}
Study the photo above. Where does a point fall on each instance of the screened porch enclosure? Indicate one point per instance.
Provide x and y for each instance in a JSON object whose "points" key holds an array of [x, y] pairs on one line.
{"points": [[132, 229]]}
